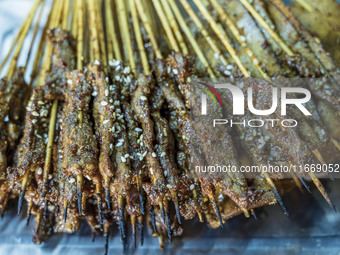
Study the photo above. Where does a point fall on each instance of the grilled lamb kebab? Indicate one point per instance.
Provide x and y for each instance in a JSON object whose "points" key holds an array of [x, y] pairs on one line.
{"points": [[136, 149], [308, 65], [140, 105], [80, 148], [112, 134], [231, 184], [31, 151], [185, 126], [63, 188], [13, 98], [191, 202], [165, 145]]}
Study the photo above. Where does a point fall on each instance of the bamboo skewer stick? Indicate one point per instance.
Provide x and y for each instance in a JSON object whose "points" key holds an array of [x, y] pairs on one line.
{"points": [[191, 38], [95, 48], [125, 33], [93, 30], [265, 25], [80, 33], [126, 37], [305, 5], [66, 10], [175, 28], [134, 230], [100, 29], [16, 54], [49, 49], [236, 32], [148, 28], [21, 34], [304, 184], [35, 31], [112, 31], [80, 38], [204, 32], [109, 40], [54, 109], [23, 191], [15, 41], [27, 176], [321, 188], [74, 19], [336, 143], [224, 39], [38, 57], [139, 38], [89, 35], [276, 193], [165, 23], [150, 13]]}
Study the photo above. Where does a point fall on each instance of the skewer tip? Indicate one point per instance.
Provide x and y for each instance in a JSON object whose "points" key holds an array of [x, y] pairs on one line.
{"points": [[141, 201], [153, 219], [107, 234], [253, 213], [21, 200], [178, 214], [141, 229], [217, 210], [108, 198], [79, 192], [163, 212], [277, 195], [304, 184], [133, 225]]}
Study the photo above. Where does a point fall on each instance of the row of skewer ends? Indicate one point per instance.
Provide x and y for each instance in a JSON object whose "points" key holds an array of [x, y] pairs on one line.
{"points": [[98, 145]]}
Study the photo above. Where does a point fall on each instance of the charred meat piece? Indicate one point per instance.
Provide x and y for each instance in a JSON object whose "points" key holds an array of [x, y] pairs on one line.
{"points": [[80, 155], [31, 151], [104, 117], [142, 110]]}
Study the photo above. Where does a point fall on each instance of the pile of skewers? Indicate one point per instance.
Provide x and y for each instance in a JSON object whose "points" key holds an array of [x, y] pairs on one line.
{"points": [[102, 132]]}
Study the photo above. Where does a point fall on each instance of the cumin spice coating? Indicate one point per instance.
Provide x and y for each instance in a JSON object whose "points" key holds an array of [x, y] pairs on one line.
{"points": [[142, 110], [80, 145]]}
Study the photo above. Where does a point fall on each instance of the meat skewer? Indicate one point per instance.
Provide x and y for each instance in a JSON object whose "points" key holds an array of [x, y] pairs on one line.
{"points": [[13, 98], [161, 163], [45, 68], [315, 180], [166, 25], [182, 80], [30, 139], [142, 110], [111, 33], [212, 22], [318, 184]]}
